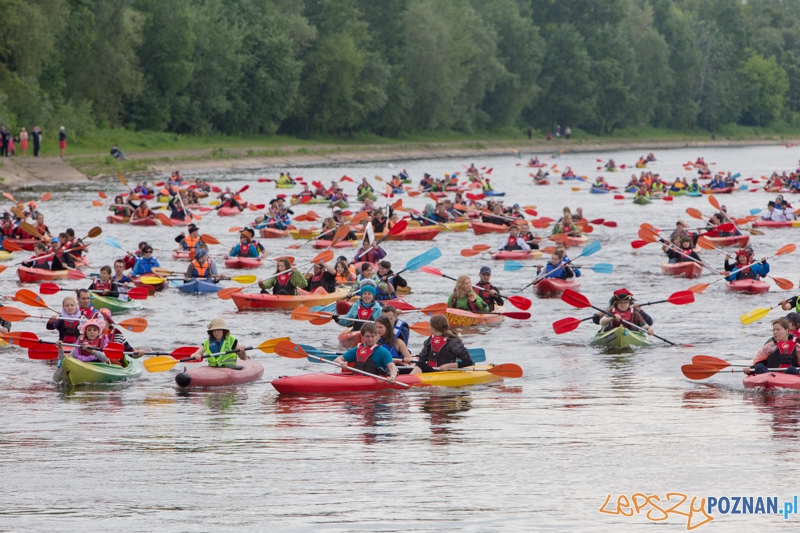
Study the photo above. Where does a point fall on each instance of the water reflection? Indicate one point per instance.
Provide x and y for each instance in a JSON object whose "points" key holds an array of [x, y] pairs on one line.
{"points": [[707, 396], [784, 410], [444, 410]]}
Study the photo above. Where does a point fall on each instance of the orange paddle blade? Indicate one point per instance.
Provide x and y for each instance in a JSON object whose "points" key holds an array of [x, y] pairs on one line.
{"points": [[234, 229], [433, 309], [697, 289], [102, 194], [481, 247], [787, 249], [30, 298], [506, 370], [704, 243], [359, 217], [694, 213], [136, 324], [470, 252], [713, 201], [698, 372], [290, 350], [226, 293], [45, 197], [423, 328], [710, 361], [323, 257], [783, 283], [97, 203], [164, 219], [12, 314], [208, 239], [11, 246]]}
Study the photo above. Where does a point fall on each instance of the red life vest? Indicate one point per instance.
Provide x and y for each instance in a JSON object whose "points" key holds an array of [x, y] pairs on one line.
{"points": [[99, 342], [70, 332], [244, 251], [41, 261], [627, 315], [784, 355], [98, 285], [88, 313], [512, 244], [283, 283], [437, 343], [364, 313], [364, 360]]}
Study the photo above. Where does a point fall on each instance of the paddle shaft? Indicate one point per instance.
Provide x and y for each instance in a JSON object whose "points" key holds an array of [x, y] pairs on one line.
{"points": [[638, 328], [474, 286], [387, 380]]}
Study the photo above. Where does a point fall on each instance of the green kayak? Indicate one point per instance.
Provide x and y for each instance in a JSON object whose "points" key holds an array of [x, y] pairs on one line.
{"points": [[371, 196], [76, 372], [114, 304], [642, 200], [339, 203], [620, 338], [679, 192]]}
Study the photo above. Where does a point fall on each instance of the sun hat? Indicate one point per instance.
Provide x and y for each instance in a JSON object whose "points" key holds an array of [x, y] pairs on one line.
{"points": [[216, 323]]}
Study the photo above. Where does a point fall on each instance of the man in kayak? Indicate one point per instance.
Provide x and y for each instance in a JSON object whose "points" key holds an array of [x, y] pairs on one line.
{"points": [[465, 298], [621, 309], [85, 307], [513, 241], [401, 328], [368, 356], [366, 308], [773, 213], [146, 263], [286, 280], [119, 277], [781, 351], [220, 342], [323, 276], [385, 275], [201, 268], [488, 292], [443, 350], [744, 257], [189, 242], [61, 260]]}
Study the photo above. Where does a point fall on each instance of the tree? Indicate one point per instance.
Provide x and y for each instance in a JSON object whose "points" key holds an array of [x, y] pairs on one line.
{"points": [[764, 88]]}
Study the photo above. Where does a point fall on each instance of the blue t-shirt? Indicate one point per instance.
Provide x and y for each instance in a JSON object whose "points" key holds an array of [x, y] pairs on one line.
{"points": [[381, 356]]}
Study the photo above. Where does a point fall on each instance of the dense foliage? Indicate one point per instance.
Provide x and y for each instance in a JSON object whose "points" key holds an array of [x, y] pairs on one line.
{"points": [[306, 67]]}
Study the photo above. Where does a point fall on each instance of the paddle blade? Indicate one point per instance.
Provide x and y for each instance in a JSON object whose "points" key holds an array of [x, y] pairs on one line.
{"points": [[520, 302], [698, 372], [158, 271], [603, 268], [681, 298], [304, 313], [151, 280], [783, 283], [161, 363], [590, 249], [164, 219], [74, 273], [290, 350], [415, 263], [787, 249], [704, 243], [481, 247], [245, 279], [512, 266], [638, 244], [209, 239], [12, 314], [697, 289], [30, 298], [228, 292], [713, 201], [694, 213], [111, 241], [11, 246], [43, 352], [610, 224], [138, 293], [575, 299], [136, 324], [506, 370], [565, 325], [49, 288], [431, 270], [114, 350], [95, 232], [514, 315], [470, 252], [710, 361], [423, 328], [17, 338], [268, 346], [324, 257], [747, 318], [97, 203]]}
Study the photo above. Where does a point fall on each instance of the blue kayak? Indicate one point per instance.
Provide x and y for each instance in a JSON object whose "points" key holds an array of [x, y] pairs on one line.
{"points": [[197, 286], [398, 191], [494, 193], [599, 190]]}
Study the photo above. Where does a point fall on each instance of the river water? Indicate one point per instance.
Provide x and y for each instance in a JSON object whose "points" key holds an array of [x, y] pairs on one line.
{"points": [[540, 453]]}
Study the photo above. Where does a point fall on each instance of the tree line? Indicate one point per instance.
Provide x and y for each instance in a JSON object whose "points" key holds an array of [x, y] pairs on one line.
{"points": [[306, 67]]}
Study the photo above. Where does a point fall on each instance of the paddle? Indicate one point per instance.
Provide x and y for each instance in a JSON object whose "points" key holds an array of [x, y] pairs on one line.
{"points": [[136, 293], [398, 228], [706, 244], [600, 268], [756, 314], [32, 299], [565, 325], [319, 318], [113, 350], [520, 302], [589, 249], [475, 250], [714, 202], [784, 250], [322, 257], [164, 363], [580, 301], [244, 279], [293, 351], [698, 372]]}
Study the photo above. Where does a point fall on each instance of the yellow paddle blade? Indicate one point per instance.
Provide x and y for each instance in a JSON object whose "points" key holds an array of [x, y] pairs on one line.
{"points": [[754, 315], [213, 202], [161, 363], [153, 280], [268, 346], [161, 271], [245, 279]]}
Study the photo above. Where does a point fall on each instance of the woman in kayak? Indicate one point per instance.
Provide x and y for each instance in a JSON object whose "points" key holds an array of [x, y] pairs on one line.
{"points": [[621, 308], [286, 281], [369, 253], [67, 321], [367, 308], [744, 257], [465, 298], [369, 356], [685, 252], [120, 208], [41, 258], [344, 276], [146, 263], [780, 351], [557, 267], [513, 241], [220, 342], [389, 340], [443, 350], [565, 225], [245, 248]]}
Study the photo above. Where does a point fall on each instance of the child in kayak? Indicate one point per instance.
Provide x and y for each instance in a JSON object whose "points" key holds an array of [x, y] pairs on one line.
{"points": [[779, 352], [686, 252], [465, 298], [620, 306], [369, 356], [366, 308], [744, 257], [220, 342], [104, 285], [115, 335], [443, 350], [245, 248], [67, 321]]}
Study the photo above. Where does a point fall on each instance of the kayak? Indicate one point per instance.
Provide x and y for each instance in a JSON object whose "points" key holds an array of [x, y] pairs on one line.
{"points": [[212, 376], [5, 255], [517, 254], [421, 233], [146, 221], [364, 196], [117, 219], [461, 318], [571, 242], [555, 286], [272, 233], [115, 305], [246, 301], [540, 182], [679, 192], [481, 228], [718, 190], [642, 200], [180, 254], [198, 286], [243, 262], [537, 165], [599, 190], [401, 304], [163, 199], [694, 194], [328, 383], [35, 275], [25, 244], [775, 189], [228, 211], [176, 222], [619, 338], [286, 185], [739, 241], [76, 372], [339, 203], [456, 226], [326, 243], [772, 380], [349, 338], [687, 269], [774, 224], [751, 286], [496, 193], [321, 200], [295, 234]]}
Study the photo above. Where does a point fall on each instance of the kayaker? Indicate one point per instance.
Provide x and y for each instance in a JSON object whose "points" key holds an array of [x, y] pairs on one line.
{"points": [[104, 285], [400, 327], [67, 320], [91, 344], [75, 245], [177, 211], [113, 334], [344, 276], [369, 253], [142, 211], [621, 309], [364, 187], [41, 258], [245, 248], [85, 306], [495, 217], [565, 225], [556, 267], [146, 263], [227, 199], [189, 243], [600, 183], [684, 253], [201, 268], [40, 226], [794, 324], [464, 297], [744, 257], [443, 350], [367, 274], [120, 208], [773, 213], [119, 277], [378, 220], [7, 228], [323, 276], [61, 260], [513, 241], [488, 292], [366, 308], [369, 356], [694, 187], [387, 338], [781, 351], [131, 258], [220, 341], [530, 239], [385, 275], [287, 280]]}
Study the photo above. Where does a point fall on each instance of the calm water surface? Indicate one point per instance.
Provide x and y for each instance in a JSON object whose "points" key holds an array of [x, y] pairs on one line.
{"points": [[540, 453]]}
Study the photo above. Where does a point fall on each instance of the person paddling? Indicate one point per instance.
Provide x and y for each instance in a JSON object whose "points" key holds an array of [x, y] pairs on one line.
{"points": [[245, 248], [146, 263], [142, 212], [556, 267], [323, 277], [286, 282], [220, 341], [115, 335], [104, 285], [465, 298], [369, 356], [513, 241], [90, 350], [443, 350], [366, 308], [781, 351], [41, 258], [67, 321], [189, 243], [744, 257], [201, 268], [684, 253], [488, 292], [621, 309]]}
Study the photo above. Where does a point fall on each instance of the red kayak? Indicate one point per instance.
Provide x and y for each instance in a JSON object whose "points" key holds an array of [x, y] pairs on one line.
{"points": [[751, 286], [413, 234], [555, 286], [775, 224], [740, 241], [228, 211], [772, 380], [182, 254], [718, 190], [272, 233], [143, 221], [25, 244], [210, 376], [243, 262], [185, 222], [117, 219], [519, 255], [481, 228], [325, 243], [687, 269], [349, 338], [37, 275], [541, 182]]}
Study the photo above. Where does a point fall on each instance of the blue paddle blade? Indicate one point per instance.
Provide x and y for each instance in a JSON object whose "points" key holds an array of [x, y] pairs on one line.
{"points": [[737, 175], [415, 263], [313, 351], [478, 355], [755, 211], [591, 248], [111, 241], [603, 268], [742, 187], [512, 266], [330, 308]]}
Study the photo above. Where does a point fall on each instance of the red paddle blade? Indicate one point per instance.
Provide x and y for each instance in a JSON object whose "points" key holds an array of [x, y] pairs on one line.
{"points": [[114, 350], [43, 352], [565, 325], [138, 293], [681, 298], [728, 226], [520, 302], [183, 352], [698, 372], [597, 221], [506, 370], [575, 299], [431, 270], [49, 288], [610, 224], [26, 340], [639, 244], [710, 361], [75, 274], [515, 315]]}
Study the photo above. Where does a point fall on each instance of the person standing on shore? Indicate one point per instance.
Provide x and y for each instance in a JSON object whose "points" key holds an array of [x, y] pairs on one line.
{"points": [[567, 132], [62, 140], [36, 135], [4, 135], [530, 133], [23, 140]]}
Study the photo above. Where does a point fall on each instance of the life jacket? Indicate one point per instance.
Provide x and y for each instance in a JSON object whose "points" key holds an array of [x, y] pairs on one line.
{"points": [[88, 313], [120, 210], [483, 292], [369, 257], [69, 333], [512, 244], [244, 251], [436, 350], [101, 286], [398, 330], [42, 261], [391, 349], [190, 243], [225, 346], [364, 360], [142, 213], [319, 281], [783, 356], [100, 342], [283, 283], [8, 231], [343, 279], [473, 307], [364, 313], [201, 271], [746, 274]]}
